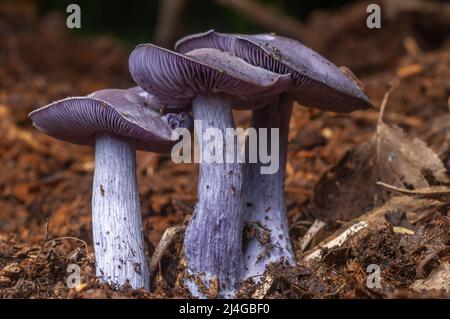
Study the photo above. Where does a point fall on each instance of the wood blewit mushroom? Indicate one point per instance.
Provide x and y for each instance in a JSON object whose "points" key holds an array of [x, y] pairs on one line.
{"points": [[317, 83], [116, 122], [209, 79]]}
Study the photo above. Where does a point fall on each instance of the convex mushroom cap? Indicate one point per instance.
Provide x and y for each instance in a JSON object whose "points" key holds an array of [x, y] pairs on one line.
{"points": [[123, 113], [176, 79], [317, 81]]}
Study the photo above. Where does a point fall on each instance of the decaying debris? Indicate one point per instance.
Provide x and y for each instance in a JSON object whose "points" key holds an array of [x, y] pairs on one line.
{"points": [[161, 249], [263, 289], [336, 242], [312, 233], [350, 188], [439, 279], [415, 209], [436, 192]]}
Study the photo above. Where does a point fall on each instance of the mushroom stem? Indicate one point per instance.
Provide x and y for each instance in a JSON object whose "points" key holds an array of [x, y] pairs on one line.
{"points": [[265, 209], [213, 240], [116, 214]]}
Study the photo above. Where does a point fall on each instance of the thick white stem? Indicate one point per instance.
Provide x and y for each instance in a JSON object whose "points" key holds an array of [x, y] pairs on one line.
{"points": [[116, 214], [265, 209], [213, 240]]}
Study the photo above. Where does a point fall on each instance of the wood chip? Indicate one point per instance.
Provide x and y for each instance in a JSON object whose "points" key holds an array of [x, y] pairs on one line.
{"points": [[262, 291], [313, 232], [402, 230], [338, 241]]}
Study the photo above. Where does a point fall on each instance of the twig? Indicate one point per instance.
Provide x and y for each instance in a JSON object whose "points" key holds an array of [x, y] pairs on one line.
{"points": [[315, 229], [46, 242], [336, 292], [262, 291], [46, 230], [393, 85], [393, 117], [42, 246], [386, 96], [163, 245], [301, 290], [338, 241], [431, 192], [74, 239]]}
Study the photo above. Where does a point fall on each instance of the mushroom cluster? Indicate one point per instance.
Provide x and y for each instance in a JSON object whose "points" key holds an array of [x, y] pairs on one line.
{"points": [[212, 81], [117, 123], [316, 82], [209, 73]]}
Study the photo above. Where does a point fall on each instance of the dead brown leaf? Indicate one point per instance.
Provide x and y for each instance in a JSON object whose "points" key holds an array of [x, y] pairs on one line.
{"points": [[350, 189]]}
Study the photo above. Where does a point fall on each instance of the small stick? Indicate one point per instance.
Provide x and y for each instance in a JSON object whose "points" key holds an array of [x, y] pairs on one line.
{"points": [[46, 230], [163, 245], [46, 241], [393, 85], [315, 229], [394, 117], [74, 239], [386, 96], [436, 191], [42, 246]]}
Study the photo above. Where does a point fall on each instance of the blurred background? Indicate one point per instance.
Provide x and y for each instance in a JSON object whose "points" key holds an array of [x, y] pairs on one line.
{"points": [[137, 21], [335, 28]]}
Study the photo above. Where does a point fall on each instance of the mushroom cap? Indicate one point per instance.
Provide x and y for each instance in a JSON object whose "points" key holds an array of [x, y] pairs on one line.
{"points": [[123, 113], [176, 79], [317, 82]]}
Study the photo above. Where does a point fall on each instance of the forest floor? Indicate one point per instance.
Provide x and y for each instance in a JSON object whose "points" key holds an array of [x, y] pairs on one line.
{"points": [[334, 164]]}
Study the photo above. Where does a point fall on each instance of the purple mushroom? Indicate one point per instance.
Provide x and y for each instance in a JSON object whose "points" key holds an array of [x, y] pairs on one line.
{"points": [[209, 80], [317, 83], [116, 122]]}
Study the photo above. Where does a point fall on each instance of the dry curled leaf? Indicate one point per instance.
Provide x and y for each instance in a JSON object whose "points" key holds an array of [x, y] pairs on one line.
{"points": [[350, 188]]}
